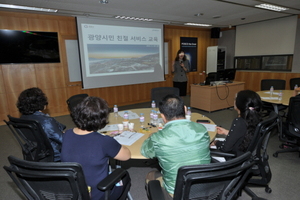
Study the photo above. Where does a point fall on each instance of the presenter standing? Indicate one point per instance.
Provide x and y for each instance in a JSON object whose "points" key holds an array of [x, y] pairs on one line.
{"points": [[180, 67]]}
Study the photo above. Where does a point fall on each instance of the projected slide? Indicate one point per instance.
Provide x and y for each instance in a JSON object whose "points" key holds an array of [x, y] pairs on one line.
{"points": [[106, 59], [114, 52]]}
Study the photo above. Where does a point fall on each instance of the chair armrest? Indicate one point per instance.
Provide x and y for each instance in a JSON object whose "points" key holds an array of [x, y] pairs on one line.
{"points": [[221, 154], [155, 191], [109, 181]]}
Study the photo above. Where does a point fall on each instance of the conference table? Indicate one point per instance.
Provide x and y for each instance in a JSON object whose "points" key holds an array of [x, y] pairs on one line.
{"points": [[143, 134], [274, 98]]}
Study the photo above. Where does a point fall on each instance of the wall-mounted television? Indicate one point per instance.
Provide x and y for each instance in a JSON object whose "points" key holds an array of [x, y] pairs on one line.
{"points": [[18, 46]]}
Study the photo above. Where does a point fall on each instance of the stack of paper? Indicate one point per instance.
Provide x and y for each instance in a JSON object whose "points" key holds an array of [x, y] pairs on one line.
{"points": [[128, 137]]}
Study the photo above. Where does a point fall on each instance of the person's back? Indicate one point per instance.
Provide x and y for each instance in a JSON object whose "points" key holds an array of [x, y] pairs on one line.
{"points": [[83, 144], [180, 143], [31, 103]]}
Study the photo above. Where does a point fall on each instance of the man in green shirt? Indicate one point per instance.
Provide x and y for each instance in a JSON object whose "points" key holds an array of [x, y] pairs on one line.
{"points": [[180, 143]]}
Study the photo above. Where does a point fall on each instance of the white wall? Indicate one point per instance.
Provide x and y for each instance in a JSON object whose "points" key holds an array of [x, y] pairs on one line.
{"points": [[272, 37]]}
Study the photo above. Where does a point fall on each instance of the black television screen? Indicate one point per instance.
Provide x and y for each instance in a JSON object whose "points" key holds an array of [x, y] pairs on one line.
{"points": [[28, 47], [226, 74]]}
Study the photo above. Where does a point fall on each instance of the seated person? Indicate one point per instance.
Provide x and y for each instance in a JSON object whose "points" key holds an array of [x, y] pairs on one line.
{"points": [[181, 142], [92, 150], [248, 106], [296, 91], [31, 103]]}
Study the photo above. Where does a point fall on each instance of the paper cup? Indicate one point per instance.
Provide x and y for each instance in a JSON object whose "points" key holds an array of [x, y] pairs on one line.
{"points": [[125, 124], [131, 126], [120, 127]]}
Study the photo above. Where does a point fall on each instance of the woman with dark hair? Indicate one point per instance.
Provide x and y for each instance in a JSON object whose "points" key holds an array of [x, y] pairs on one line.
{"points": [[91, 149], [31, 103], [248, 105], [180, 67]]}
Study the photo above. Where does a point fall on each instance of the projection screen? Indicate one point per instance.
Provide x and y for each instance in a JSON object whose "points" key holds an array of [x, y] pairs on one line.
{"points": [[115, 52]]}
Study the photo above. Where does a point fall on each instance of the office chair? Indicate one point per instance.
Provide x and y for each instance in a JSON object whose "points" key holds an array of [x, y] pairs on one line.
{"points": [[261, 172], [290, 136], [33, 140], [59, 180], [278, 84], [293, 82], [157, 94], [75, 99], [221, 181]]}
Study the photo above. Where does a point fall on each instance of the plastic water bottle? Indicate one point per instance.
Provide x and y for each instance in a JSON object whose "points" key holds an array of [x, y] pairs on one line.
{"points": [[271, 90], [280, 95], [151, 116], [153, 105], [295, 87], [189, 112], [126, 116], [142, 120], [155, 117], [116, 110]]}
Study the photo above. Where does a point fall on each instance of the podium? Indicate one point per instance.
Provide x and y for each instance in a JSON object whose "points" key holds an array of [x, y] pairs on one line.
{"points": [[212, 98]]}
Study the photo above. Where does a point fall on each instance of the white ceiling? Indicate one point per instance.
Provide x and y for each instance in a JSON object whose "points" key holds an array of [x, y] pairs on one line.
{"points": [[218, 13]]}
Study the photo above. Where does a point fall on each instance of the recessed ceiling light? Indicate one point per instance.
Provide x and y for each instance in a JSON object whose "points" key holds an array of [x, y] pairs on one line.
{"points": [[271, 7], [27, 8], [198, 14], [103, 1], [195, 24]]}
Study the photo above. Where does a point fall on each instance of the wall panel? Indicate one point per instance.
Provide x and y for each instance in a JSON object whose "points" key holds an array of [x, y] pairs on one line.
{"points": [[252, 79], [50, 75], [43, 25], [4, 110], [12, 22], [18, 77]]}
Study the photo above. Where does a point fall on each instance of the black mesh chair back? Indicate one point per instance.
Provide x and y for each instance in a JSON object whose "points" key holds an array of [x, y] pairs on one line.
{"points": [[157, 94], [293, 82], [56, 180], [75, 99], [32, 139], [290, 136], [222, 180], [263, 128], [261, 172], [278, 84]]}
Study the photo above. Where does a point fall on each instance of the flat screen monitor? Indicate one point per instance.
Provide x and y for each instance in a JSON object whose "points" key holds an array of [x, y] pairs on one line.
{"points": [[226, 74], [19, 46]]}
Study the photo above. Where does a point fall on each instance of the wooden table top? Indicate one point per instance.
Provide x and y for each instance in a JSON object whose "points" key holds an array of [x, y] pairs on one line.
{"points": [[136, 146], [267, 97]]}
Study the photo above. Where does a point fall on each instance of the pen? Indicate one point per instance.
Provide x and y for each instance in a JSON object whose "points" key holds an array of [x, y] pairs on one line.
{"points": [[132, 134]]}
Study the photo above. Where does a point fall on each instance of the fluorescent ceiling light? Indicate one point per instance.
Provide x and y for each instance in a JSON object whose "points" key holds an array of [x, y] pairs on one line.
{"points": [[26, 8], [133, 18], [271, 7], [195, 24]]}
